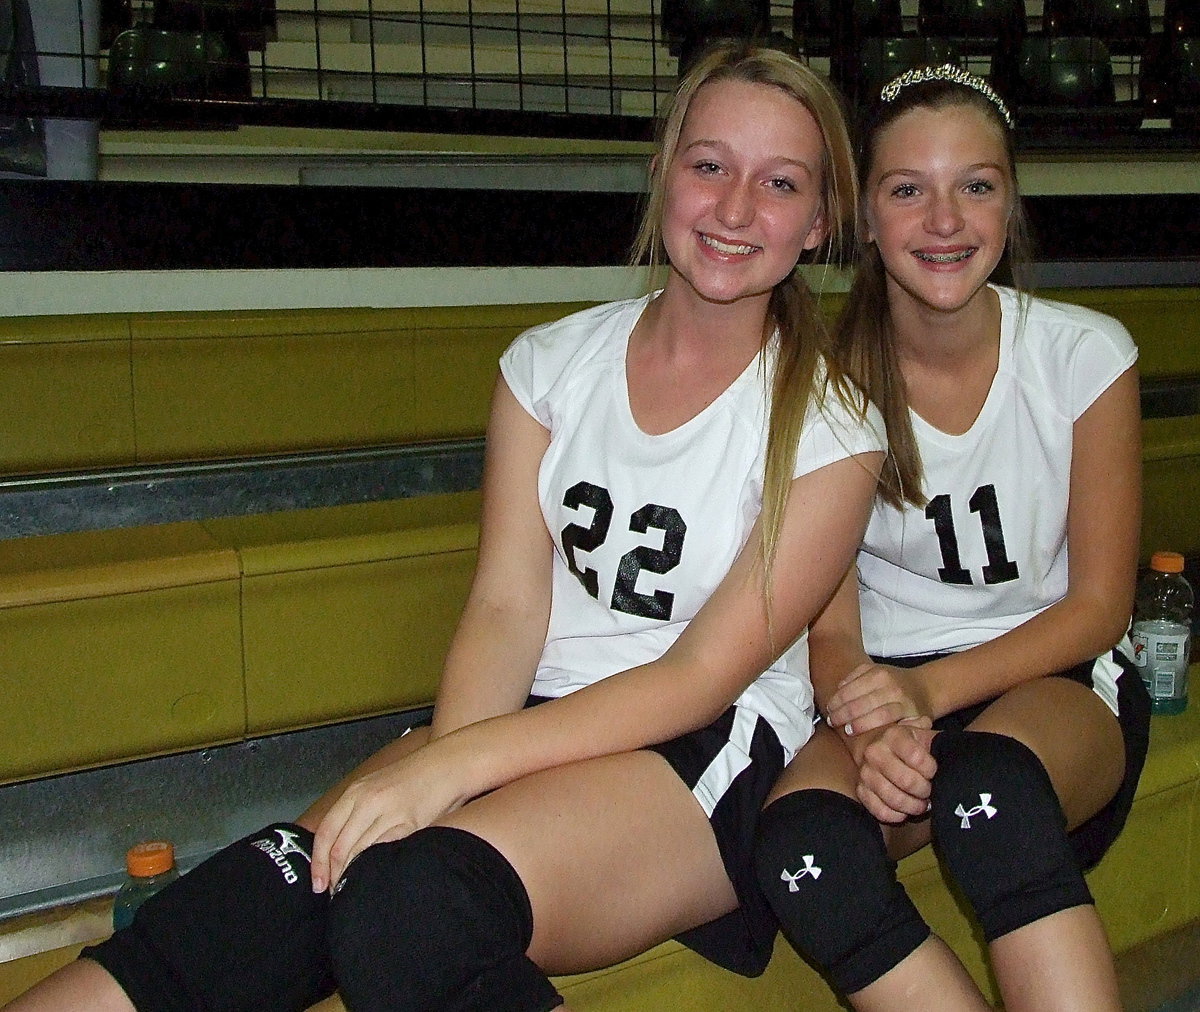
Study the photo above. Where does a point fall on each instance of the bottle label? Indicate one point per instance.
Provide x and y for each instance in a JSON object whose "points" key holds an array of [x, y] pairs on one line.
{"points": [[1161, 656]]}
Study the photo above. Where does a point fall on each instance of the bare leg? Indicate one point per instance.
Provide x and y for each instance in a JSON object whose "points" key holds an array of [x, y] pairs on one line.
{"points": [[1064, 961], [823, 763], [615, 853], [82, 986], [930, 978], [85, 986], [1086, 765]]}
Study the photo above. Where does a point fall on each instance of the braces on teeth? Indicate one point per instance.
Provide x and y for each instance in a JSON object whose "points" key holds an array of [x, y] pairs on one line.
{"points": [[946, 258]]}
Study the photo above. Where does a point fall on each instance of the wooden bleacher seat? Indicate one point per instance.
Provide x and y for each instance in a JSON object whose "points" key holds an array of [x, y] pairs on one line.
{"points": [[1170, 484], [88, 392]]}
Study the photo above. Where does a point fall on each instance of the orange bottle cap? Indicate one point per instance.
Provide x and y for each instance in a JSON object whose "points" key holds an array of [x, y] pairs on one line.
{"points": [[1167, 562], [150, 858]]}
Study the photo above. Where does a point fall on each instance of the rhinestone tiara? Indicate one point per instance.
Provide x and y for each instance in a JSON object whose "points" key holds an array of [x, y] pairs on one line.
{"points": [[946, 72]]}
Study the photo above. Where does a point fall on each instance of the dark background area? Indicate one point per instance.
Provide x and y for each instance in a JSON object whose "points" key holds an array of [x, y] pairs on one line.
{"points": [[50, 225]]}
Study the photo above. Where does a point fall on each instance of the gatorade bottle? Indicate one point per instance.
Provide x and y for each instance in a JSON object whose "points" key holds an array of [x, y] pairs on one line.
{"points": [[1162, 631], [151, 865]]}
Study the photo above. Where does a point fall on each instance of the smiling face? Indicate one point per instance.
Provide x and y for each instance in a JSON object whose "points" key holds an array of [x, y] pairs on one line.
{"points": [[743, 194], [938, 198]]}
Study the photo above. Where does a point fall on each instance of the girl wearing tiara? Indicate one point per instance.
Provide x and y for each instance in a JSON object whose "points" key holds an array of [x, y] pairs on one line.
{"points": [[972, 669]]}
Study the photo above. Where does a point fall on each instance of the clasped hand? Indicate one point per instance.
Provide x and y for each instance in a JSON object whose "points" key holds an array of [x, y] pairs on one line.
{"points": [[886, 726], [387, 804]]}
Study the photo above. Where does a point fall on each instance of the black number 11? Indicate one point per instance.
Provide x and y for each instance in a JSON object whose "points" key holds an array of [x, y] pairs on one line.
{"points": [[1000, 568]]}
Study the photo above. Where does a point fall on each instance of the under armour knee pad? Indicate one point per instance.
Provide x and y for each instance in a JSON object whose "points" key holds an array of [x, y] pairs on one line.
{"points": [[821, 861], [998, 825], [436, 922], [241, 932]]}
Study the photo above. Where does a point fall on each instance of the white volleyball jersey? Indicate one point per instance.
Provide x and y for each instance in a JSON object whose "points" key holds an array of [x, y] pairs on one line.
{"points": [[989, 551], [645, 527]]}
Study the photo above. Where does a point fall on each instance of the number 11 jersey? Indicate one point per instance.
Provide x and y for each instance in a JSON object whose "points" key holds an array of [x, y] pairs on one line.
{"points": [[989, 549]]}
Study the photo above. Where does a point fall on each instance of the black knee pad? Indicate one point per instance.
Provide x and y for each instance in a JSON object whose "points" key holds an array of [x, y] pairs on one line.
{"points": [[241, 932], [821, 860], [1000, 829], [436, 922]]}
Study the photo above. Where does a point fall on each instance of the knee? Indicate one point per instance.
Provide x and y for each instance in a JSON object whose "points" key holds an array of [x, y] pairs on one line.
{"points": [[241, 930], [998, 825], [822, 863], [447, 916]]}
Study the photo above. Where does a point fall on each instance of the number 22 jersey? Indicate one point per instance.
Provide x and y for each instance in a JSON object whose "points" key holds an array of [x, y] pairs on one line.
{"points": [[989, 550], [646, 526]]}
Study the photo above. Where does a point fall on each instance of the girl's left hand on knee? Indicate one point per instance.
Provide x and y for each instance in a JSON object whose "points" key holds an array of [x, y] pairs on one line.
{"points": [[385, 805]]}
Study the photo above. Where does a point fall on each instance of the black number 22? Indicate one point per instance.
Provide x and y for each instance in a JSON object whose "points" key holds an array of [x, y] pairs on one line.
{"points": [[1000, 568], [625, 597]]}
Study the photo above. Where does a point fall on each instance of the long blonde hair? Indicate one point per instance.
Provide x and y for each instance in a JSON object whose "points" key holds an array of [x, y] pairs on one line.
{"points": [[792, 311], [864, 340]]}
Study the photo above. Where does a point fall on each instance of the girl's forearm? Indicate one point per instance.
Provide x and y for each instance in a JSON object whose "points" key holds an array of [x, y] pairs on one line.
{"points": [[1067, 633]]}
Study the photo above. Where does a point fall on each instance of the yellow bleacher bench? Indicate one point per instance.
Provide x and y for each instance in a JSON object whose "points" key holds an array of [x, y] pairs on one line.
{"points": [[134, 642], [347, 610], [117, 644], [80, 392]]}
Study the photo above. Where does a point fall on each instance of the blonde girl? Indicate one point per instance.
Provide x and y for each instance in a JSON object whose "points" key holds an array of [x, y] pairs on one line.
{"points": [[673, 488]]}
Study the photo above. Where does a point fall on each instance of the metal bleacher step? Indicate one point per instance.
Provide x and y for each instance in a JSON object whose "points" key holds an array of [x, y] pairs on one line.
{"points": [[538, 76], [595, 56], [33, 505], [430, 8], [61, 847], [623, 58]]}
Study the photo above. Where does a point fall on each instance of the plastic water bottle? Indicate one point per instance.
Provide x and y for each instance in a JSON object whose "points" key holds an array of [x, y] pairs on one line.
{"points": [[1162, 632], [151, 865]]}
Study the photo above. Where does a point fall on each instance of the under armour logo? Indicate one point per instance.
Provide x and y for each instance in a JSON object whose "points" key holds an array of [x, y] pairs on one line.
{"points": [[808, 869], [983, 807], [288, 844]]}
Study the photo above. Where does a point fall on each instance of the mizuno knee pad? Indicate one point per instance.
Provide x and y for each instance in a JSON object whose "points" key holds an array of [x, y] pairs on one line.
{"points": [[998, 825], [822, 863], [241, 932], [436, 922]]}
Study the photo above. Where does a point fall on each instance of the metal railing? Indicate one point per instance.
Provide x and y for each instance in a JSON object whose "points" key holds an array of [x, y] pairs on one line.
{"points": [[593, 68]]}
